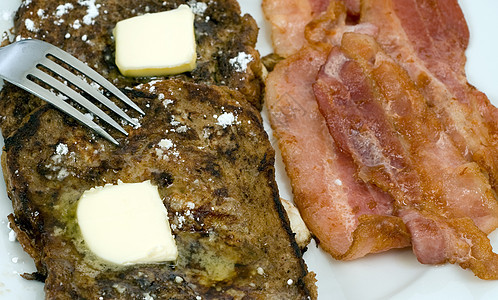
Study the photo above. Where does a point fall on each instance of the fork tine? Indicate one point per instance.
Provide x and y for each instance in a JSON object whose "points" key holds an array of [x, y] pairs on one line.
{"points": [[92, 74], [76, 97], [51, 98], [83, 85]]}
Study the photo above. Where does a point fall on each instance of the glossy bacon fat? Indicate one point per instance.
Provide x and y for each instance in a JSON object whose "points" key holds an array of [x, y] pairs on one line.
{"points": [[379, 103], [428, 38], [376, 114], [351, 218]]}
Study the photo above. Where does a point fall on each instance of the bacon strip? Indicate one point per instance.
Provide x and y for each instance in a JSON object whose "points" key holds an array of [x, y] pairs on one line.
{"points": [[428, 38], [350, 218], [422, 135], [288, 18], [376, 114]]}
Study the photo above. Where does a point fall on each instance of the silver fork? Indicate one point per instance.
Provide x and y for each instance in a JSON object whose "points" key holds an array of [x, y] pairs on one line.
{"points": [[20, 62]]}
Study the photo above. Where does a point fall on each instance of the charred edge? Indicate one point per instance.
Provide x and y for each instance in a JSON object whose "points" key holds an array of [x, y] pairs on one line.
{"points": [[24, 228], [286, 225], [36, 276], [26, 221]]}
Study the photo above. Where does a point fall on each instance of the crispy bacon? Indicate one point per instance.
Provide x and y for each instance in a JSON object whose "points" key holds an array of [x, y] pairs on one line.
{"points": [[405, 125], [455, 240], [376, 114], [349, 217], [428, 38]]}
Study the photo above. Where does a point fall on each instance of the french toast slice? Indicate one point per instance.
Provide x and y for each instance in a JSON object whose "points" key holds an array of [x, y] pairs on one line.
{"points": [[225, 44], [216, 179]]}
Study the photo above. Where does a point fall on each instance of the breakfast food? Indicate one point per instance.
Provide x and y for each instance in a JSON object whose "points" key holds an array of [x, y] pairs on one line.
{"points": [[405, 147], [138, 231], [435, 61], [338, 209], [225, 44], [399, 145], [156, 44], [205, 149]]}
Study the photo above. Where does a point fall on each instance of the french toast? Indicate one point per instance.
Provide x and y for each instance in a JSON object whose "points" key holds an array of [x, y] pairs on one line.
{"points": [[216, 179], [225, 44]]}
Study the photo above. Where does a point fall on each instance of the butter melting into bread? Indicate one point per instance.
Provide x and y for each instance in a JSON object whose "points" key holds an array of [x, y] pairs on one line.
{"points": [[215, 175]]}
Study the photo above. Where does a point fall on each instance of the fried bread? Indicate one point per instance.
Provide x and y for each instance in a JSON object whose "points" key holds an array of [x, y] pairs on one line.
{"points": [[216, 179], [84, 29]]}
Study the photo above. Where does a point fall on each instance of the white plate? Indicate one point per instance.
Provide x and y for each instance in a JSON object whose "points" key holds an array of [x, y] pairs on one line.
{"points": [[392, 275]]}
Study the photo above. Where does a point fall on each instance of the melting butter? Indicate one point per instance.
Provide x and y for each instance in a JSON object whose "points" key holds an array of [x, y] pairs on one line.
{"points": [[156, 44], [126, 224]]}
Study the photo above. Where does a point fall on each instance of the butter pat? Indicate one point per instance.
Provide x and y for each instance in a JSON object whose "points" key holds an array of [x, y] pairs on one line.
{"points": [[156, 44], [126, 224]]}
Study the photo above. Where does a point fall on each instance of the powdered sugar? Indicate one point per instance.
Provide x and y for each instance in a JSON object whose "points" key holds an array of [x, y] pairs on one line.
{"points": [[30, 25], [61, 149], [181, 129], [63, 9], [226, 119], [165, 144], [198, 8], [166, 102], [174, 122], [41, 13], [76, 24], [12, 236], [91, 12], [165, 147], [187, 215], [147, 296], [241, 61]]}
